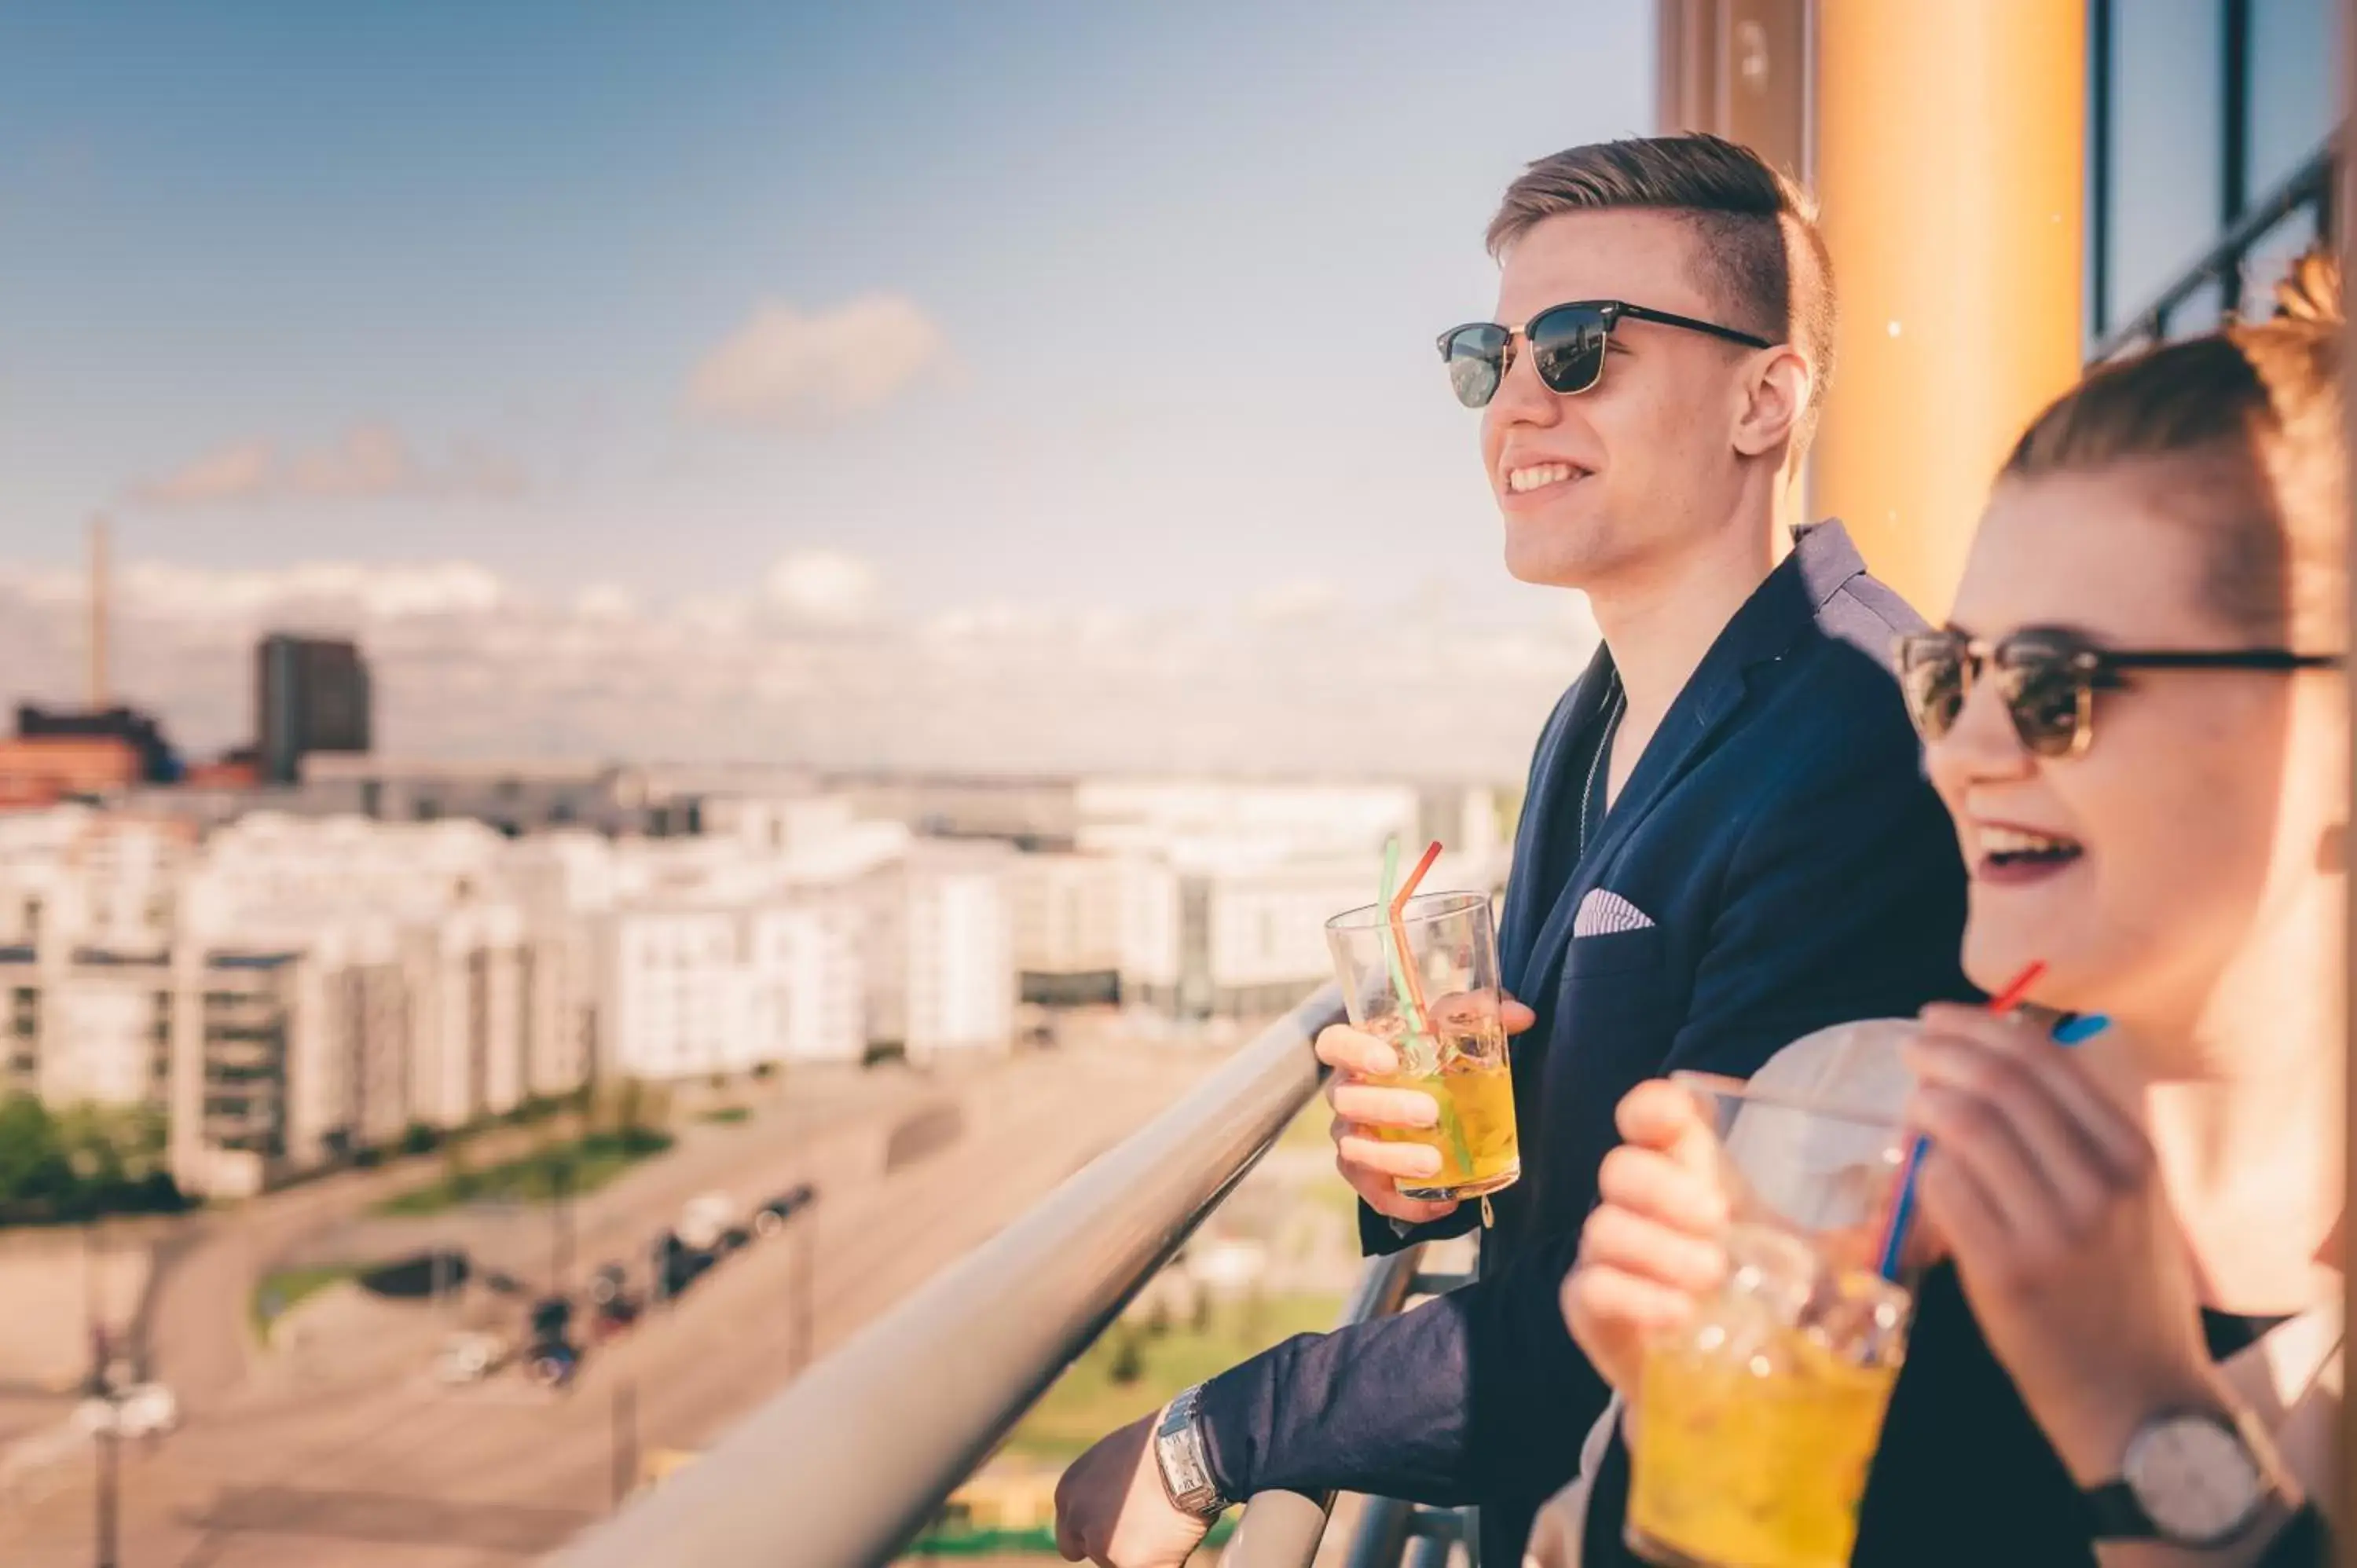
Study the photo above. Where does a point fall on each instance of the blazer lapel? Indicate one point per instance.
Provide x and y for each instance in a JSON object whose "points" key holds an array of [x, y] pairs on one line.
{"points": [[1777, 613], [1540, 839]]}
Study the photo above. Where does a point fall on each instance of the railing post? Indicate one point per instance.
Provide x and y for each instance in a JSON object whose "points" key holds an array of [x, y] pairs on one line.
{"points": [[1383, 1534]]}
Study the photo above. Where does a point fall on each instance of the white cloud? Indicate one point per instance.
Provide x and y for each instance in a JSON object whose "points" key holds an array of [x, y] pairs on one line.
{"points": [[1303, 601], [603, 602], [234, 473], [467, 664], [368, 460], [822, 587], [782, 366], [336, 591]]}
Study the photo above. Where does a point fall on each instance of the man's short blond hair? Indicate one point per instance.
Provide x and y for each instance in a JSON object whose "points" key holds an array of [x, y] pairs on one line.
{"points": [[1759, 255]]}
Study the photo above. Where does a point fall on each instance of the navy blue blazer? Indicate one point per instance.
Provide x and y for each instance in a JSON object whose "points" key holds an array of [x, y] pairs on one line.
{"points": [[1796, 870]]}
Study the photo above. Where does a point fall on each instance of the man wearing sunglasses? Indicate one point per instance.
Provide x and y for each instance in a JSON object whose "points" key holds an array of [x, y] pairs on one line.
{"points": [[1727, 842]]}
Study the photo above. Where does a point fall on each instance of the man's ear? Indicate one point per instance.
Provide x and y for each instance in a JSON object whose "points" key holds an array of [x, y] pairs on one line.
{"points": [[1775, 392]]}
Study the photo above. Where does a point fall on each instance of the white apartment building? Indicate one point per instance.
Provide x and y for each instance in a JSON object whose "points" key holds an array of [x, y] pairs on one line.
{"points": [[98, 879], [354, 992], [960, 951], [808, 992], [104, 1029], [1148, 816], [676, 991], [292, 989], [1151, 923], [803, 936], [218, 1042], [1067, 913], [692, 989]]}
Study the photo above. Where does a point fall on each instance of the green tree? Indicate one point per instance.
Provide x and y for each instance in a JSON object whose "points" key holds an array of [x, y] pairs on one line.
{"points": [[1128, 1362], [458, 1173], [91, 1137], [33, 1165]]}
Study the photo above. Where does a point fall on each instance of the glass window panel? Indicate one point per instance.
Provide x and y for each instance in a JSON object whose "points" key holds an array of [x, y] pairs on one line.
{"points": [[2167, 144], [2198, 314], [2292, 51]]}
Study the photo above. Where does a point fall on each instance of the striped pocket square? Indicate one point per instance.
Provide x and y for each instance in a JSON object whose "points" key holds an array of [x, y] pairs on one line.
{"points": [[1603, 913]]}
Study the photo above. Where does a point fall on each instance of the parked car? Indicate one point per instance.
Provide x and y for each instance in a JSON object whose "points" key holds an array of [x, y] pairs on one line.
{"points": [[683, 1268], [141, 1410], [703, 1217], [553, 1363], [607, 1283], [551, 1315], [469, 1357], [677, 1265], [730, 1239], [612, 1316], [771, 1217]]}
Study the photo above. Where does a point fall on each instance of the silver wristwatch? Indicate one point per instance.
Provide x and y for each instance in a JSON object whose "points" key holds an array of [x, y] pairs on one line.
{"points": [[2189, 1479], [1178, 1453]]}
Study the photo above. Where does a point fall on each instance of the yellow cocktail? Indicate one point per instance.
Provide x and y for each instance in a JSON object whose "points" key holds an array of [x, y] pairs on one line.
{"points": [[1755, 1424], [1425, 981], [1478, 1150]]}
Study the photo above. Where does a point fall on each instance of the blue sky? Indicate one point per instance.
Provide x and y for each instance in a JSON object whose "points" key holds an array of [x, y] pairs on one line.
{"points": [[1181, 265], [1018, 384]]}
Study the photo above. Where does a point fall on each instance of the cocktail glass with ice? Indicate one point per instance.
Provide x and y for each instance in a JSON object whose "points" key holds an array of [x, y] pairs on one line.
{"points": [[1755, 1423], [1427, 984]]}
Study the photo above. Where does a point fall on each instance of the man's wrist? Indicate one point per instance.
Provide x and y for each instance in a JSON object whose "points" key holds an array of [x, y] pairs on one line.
{"points": [[1182, 1458]]}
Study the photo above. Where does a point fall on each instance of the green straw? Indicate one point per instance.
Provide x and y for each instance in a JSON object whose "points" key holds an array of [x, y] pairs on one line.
{"points": [[1396, 962]]}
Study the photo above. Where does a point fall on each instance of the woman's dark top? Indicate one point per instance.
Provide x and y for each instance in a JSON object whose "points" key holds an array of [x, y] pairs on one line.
{"points": [[1964, 1476]]}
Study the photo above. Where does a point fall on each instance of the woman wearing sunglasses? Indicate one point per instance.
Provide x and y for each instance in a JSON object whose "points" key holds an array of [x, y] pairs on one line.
{"points": [[2127, 1349]]}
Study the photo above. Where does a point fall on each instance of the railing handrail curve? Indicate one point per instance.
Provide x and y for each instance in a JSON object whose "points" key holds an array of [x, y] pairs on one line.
{"points": [[850, 1462]]}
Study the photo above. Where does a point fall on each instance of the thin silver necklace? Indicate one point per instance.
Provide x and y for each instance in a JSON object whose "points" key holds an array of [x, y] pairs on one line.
{"points": [[1596, 762]]}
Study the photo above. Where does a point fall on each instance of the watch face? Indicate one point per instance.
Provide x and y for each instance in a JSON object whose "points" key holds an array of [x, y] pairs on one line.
{"points": [[2195, 1477]]}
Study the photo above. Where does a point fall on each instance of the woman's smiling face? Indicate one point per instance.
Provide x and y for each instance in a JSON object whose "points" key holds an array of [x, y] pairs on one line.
{"points": [[2134, 870]]}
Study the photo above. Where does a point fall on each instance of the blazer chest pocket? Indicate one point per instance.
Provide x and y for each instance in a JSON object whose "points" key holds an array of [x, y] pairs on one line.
{"points": [[1618, 1001], [1616, 952]]}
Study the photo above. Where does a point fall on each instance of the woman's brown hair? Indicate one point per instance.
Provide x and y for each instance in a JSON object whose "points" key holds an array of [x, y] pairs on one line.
{"points": [[2248, 419]]}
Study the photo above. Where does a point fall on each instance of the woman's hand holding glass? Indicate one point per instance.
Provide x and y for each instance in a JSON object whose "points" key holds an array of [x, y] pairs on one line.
{"points": [[1650, 1248]]}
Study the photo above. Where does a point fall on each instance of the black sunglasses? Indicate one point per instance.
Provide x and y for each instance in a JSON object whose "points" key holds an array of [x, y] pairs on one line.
{"points": [[2049, 677], [1567, 344]]}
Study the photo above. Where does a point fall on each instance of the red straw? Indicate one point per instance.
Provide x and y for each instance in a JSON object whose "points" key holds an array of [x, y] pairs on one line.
{"points": [[1407, 889], [1902, 1197], [2008, 999], [1399, 928]]}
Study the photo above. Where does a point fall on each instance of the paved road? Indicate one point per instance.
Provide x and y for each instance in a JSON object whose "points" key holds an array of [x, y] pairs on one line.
{"points": [[403, 1475]]}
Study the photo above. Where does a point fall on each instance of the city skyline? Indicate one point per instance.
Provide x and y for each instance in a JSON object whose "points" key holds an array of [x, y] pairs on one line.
{"points": [[619, 411]]}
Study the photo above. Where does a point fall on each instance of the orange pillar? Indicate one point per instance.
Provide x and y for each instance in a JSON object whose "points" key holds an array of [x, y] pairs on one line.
{"points": [[1949, 165]]}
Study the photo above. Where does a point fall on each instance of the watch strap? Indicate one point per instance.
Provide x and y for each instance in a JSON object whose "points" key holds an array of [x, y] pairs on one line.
{"points": [[2113, 1514]]}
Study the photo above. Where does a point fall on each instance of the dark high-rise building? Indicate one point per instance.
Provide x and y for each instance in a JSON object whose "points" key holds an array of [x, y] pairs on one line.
{"points": [[311, 693]]}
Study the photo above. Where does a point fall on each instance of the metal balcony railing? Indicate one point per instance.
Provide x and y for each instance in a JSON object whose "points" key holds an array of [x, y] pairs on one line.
{"points": [[851, 1461], [2308, 188]]}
